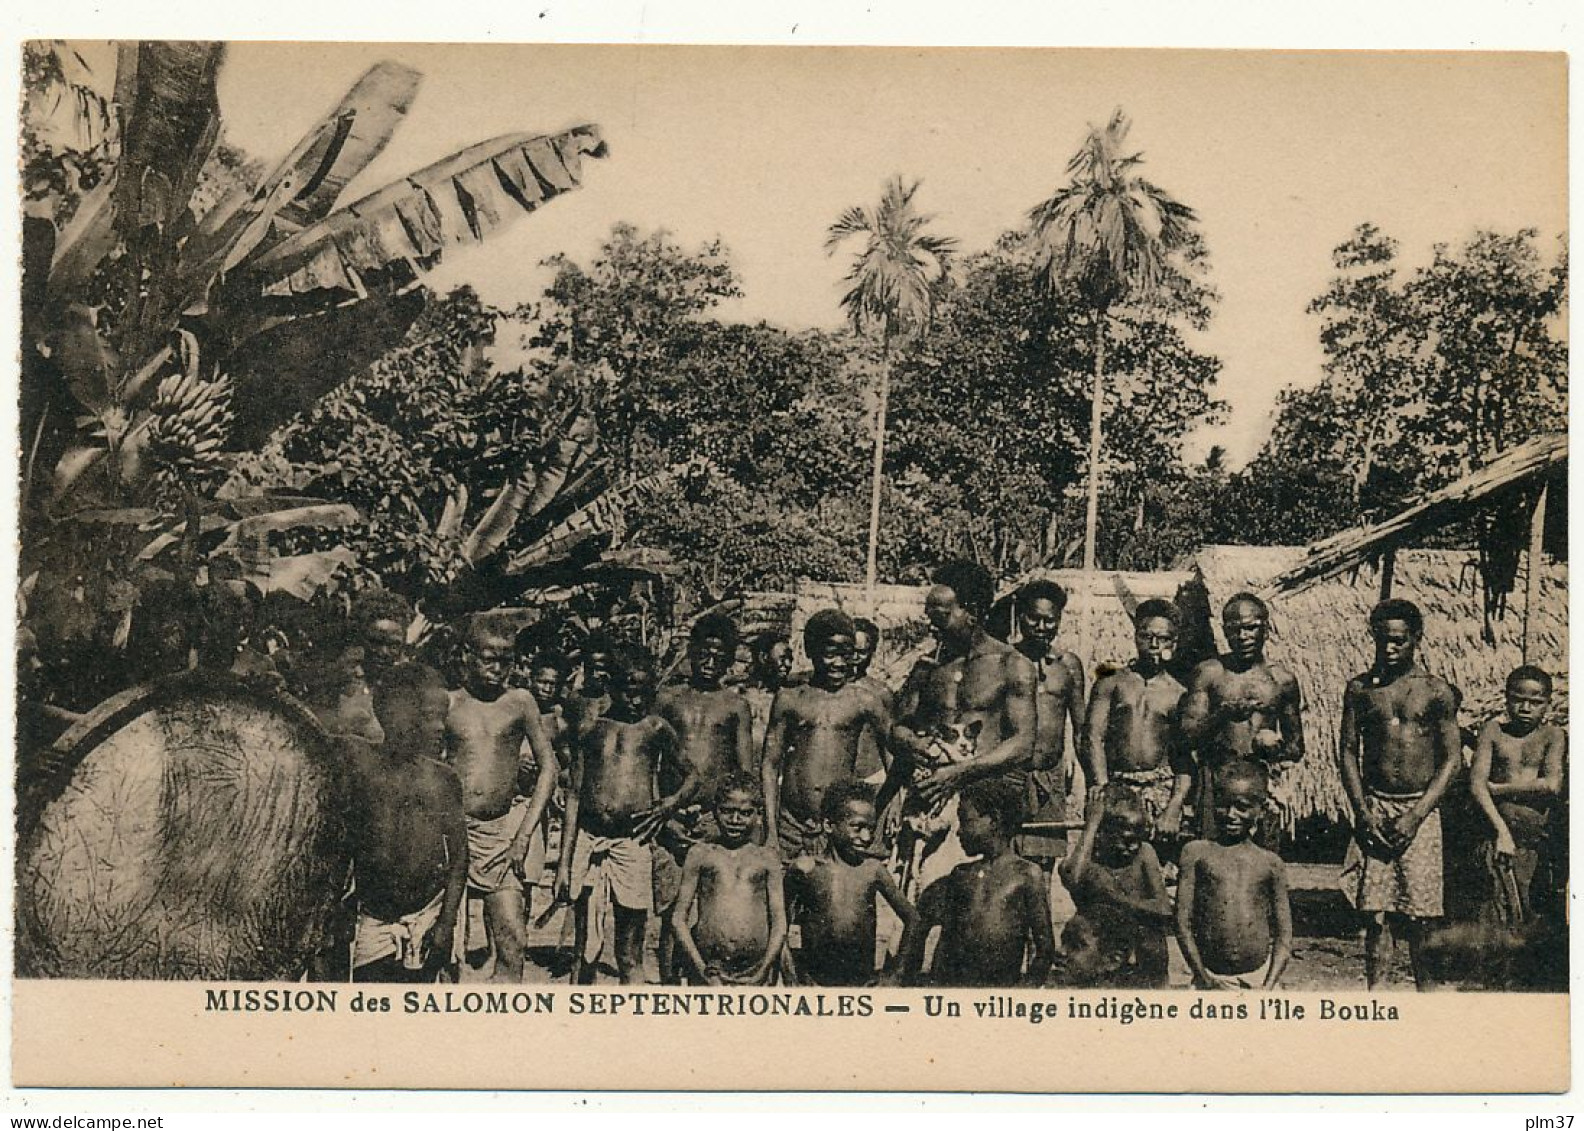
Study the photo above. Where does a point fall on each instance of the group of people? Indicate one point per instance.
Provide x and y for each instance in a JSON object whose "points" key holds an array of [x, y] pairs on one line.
{"points": [[763, 828]]}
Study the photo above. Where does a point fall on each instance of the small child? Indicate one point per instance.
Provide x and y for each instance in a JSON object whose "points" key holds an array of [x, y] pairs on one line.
{"points": [[1516, 780], [834, 892], [1118, 936], [408, 834], [993, 911], [613, 811], [1233, 917], [730, 916]]}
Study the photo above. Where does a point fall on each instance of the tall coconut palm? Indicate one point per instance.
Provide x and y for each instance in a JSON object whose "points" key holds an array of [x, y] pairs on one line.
{"points": [[891, 294], [1111, 233]]}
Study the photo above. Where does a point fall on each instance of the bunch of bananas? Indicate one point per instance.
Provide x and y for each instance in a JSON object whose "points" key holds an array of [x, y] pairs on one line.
{"points": [[188, 424]]}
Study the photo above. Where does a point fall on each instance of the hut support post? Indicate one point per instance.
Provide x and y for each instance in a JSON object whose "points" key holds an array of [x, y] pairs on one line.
{"points": [[1532, 584], [1388, 573]]}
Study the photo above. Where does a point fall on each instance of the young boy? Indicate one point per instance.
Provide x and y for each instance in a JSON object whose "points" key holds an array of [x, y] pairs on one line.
{"points": [[493, 733], [1400, 749], [1516, 780], [613, 810], [1240, 705], [1234, 921], [769, 667], [833, 893], [814, 734], [873, 758], [1118, 936], [544, 675], [408, 833], [714, 736], [1131, 734], [992, 911], [731, 890]]}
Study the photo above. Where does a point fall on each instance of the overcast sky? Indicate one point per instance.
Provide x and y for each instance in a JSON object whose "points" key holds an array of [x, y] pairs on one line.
{"points": [[1281, 154]]}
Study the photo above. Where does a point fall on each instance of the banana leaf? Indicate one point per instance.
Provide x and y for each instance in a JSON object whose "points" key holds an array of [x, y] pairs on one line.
{"points": [[461, 199]]}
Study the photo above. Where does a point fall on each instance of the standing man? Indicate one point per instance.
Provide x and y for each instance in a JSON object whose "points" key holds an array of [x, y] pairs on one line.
{"points": [[1240, 706], [873, 758], [1400, 750], [1058, 702]]}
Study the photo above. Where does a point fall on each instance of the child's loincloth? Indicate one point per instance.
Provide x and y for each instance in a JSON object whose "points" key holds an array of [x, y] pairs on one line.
{"points": [[616, 871], [687, 828], [1253, 980], [374, 939], [489, 844], [1411, 883]]}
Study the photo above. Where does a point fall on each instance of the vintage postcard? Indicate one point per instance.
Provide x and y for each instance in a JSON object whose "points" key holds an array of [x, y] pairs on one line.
{"points": [[791, 568]]}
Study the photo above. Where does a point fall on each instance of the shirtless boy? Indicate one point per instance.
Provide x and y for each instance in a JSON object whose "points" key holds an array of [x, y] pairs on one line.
{"points": [[814, 734], [732, 892], [833, 893], [491, 731], [769, 668], [993, 911], [409, 835], [714, 736], [1400, 750], [1516, 780], [1234, 921], [378, 641], [1058, 701], [1239, 705], [873, 758], [1132, 735], [613, 810], [1118, 936]]}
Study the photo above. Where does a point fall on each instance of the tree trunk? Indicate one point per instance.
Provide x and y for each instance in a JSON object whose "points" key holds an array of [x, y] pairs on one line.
{"points": [[1092, 513], [872, 566]]}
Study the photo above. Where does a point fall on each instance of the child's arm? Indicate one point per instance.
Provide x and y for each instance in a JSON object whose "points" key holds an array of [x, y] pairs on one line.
{"points": [[764, 970], [544, 784], [930, 914], [1074, 868], [770, 768], [569, 825], [886, 886], [1548, 786], [1281, 923], [1041, 935], [1095, 726], [681, 914], [1154, 904], [1480, 788]]}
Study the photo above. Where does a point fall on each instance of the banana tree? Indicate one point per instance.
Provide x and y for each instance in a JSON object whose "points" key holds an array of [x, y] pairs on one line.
{"points": [[144, 278]]}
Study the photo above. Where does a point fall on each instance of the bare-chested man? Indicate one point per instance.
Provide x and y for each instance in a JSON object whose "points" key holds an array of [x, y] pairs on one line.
{"points": [[981, 680], [613, 810], [408, 833], [492, 730], [590, 698], [815, 730], [715, 737], [377, 643], [1058, 702], [1240, 705], [1517, 780], [873, 757], [1400, 750], [1132, 734], [769, 668]]}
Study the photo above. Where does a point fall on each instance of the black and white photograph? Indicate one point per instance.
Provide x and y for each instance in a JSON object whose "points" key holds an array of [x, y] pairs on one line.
{"points": [[776, 519]]}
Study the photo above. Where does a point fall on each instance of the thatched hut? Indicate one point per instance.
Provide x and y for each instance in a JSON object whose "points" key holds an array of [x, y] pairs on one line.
{"points": [[1321, 633]]}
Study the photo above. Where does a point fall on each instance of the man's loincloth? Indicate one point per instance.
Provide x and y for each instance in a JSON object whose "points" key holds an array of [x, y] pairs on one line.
{"points": [[1044, 800], [670, 848], [799, 836], [1409, 884], [489, 855], [1154, 789], [374, 939]]}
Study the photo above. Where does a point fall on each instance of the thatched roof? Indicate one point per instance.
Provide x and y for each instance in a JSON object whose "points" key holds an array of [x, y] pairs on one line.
{"points": [[1321, 633], [1499, 483]]}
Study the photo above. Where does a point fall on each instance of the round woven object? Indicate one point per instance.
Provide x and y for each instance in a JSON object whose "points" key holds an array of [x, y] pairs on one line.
{"points": [[187, 829]]}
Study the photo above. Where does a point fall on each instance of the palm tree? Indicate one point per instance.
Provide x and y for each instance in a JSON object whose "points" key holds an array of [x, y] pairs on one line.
{"points": [[1110, 232], [891, 292]]}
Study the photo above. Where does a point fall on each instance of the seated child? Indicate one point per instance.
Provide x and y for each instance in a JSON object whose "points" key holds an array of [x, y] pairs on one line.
{"points": [[993, 911], [1233, 917], [1118, 936], [730, 915], [833, 893], [408, 833], [612, 814], [1516, 780]]}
